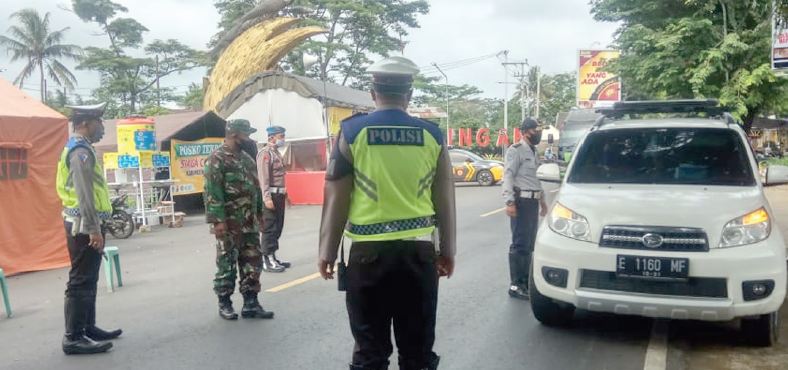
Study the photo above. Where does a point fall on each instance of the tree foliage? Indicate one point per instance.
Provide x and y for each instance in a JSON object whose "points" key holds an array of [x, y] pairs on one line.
{"points": [[193, 97], [697, 49], [357, 32], [129, 82], [43, 49]]}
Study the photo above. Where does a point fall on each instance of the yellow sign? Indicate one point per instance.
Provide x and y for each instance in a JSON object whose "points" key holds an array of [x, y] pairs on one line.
{"points": [[110, 161], [188, 163], [335, 116], [593, 83], [136, 137]]}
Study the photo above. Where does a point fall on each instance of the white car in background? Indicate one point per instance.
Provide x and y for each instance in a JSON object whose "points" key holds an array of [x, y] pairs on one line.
{"points": [[664, 218]]}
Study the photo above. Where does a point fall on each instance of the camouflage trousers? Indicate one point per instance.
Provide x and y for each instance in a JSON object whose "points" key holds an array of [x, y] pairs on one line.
{"points": [[234, 253]]}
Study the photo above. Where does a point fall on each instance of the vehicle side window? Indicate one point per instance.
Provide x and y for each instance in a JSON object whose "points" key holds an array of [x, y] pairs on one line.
{"points": [[457, 158]]}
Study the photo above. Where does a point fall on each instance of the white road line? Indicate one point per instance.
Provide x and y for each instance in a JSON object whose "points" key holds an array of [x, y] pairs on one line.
{"points": [[657, 351], [488, 214]]}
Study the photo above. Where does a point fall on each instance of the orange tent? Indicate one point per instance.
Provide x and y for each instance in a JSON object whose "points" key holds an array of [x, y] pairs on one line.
{"points": [[32, 137]]}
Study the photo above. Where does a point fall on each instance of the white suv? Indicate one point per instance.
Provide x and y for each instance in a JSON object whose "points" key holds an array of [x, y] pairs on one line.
{"points": [[663, 218]]}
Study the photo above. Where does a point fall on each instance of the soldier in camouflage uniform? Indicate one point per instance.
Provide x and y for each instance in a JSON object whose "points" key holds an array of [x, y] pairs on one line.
{"points": [[233, 207]]}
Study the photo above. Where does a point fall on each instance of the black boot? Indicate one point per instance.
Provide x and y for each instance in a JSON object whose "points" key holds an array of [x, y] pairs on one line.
{"points": [[74, 341], [270, 265], [284, 264], [518, 273], [94, 332], [252, 308], [226, 310]]}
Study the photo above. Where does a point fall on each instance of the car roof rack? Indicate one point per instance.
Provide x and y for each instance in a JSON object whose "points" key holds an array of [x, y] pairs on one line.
{"points": [[619, 109]]}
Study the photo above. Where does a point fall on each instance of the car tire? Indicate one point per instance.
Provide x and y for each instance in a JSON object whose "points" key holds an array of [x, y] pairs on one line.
{"points": [[763, 331], [548, 311], [485, 178]]}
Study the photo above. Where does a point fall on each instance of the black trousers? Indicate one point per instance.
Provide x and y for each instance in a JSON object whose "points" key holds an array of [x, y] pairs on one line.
{"points": [[524, 228], [85, 265], [392, 282], [273, 223], [80, 300]]}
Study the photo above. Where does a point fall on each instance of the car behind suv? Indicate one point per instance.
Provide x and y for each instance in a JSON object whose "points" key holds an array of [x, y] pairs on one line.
{"points": [[664, 218]]}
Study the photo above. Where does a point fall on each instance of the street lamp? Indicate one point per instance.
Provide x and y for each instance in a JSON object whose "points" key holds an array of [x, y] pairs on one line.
{"points": [[447, 96]]}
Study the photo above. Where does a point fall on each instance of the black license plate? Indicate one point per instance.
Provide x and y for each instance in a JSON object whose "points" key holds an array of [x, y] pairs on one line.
{"points": [[652, 267]]}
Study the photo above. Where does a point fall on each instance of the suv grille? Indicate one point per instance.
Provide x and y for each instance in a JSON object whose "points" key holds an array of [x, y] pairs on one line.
{"points": [[693, 287], [679, 239]]}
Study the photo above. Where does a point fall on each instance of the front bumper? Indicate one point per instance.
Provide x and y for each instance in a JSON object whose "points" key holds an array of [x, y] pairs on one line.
{"points": [[497, 173], [762, 261]]}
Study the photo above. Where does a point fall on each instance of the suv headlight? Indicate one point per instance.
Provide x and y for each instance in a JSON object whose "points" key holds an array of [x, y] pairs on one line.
{"points": [[748, 229], [568, 223]]}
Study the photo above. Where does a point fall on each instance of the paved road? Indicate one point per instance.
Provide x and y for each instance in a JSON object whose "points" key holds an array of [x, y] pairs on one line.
{"points": [[168, 311]]}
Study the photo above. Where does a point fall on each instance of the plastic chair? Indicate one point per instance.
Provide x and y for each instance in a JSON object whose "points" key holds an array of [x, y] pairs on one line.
{"points": [[112, 262], [4, 288]]}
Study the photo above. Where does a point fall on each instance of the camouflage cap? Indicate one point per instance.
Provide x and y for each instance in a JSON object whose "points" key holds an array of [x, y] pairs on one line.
{"points": [[241, 126]]}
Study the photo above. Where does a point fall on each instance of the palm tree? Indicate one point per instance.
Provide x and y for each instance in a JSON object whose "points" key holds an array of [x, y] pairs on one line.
{"points": [[32, 41]]}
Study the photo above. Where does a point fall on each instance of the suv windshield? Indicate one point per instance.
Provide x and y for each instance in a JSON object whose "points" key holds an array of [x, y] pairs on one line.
{"points": [[663, 156]]}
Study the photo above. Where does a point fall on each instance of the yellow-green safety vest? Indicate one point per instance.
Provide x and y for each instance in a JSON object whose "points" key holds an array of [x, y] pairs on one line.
{"points": [[395, 159], [65, 187]]}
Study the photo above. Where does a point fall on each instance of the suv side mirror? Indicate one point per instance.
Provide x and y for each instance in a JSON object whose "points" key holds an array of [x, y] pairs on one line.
{"points": [[776, 175], [549, 172]]}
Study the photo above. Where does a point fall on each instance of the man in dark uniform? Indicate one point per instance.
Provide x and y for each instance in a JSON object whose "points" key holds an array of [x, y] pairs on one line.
{"points": [[83, 192], [233, 208], [523, 195], [271, 170], [389, 182]]}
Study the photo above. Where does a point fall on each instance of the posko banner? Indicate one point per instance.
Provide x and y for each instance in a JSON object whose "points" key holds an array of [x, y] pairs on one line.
{"points": [[188, 163]]}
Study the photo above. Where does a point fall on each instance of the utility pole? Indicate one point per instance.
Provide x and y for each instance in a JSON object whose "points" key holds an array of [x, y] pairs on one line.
{"points": [[523, 85], [447, 96]]}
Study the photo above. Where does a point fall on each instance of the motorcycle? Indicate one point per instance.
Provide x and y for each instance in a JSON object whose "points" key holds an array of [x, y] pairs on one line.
{"points": [[121, 223]]}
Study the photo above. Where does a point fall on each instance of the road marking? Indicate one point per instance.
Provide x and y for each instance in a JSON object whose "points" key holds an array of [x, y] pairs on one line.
{"points": [[293, 283], [657, 351], [488, 214]]}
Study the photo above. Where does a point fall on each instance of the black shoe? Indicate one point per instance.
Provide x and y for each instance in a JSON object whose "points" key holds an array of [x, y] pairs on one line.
{"points": [[253, 309], [97, 334], [270, 265], [284, 264], [79, 344], [519, 292], [226, 310]]}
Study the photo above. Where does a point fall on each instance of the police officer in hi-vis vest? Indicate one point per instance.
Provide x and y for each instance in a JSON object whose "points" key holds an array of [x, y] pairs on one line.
{"points": [[388, 186], [85, 197]]}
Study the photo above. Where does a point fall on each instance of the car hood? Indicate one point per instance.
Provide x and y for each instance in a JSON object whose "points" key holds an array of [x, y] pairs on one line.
{"points": [[707, 207]]}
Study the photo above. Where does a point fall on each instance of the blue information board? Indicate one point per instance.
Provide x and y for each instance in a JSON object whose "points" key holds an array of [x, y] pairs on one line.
{"points": [[145, 140], [160, 160], [128, 161]]}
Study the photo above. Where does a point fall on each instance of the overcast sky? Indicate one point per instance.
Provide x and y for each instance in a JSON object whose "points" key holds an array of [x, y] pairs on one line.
{"points": [[546, 33]]}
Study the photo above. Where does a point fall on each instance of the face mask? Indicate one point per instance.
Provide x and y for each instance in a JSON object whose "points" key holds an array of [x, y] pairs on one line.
{"points": [[280, 143], [250, 147], [98, 134], [535, 138]]}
